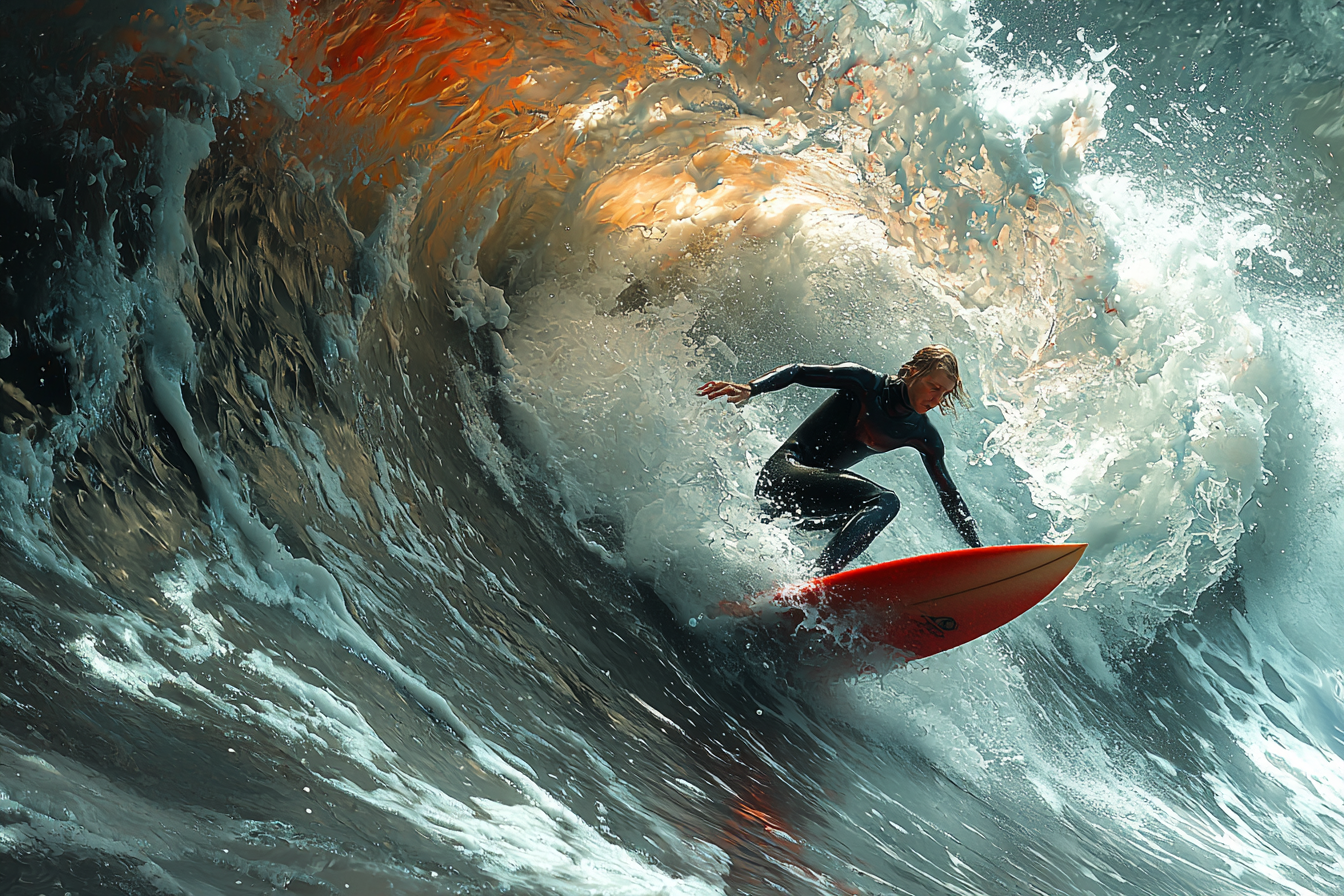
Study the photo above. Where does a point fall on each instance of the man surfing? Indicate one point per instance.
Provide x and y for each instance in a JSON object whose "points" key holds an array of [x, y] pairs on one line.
{"points": [[808, 477]]}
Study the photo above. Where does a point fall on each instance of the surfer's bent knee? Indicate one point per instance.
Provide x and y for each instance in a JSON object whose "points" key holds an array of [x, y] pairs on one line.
{"points": [[889, 503]]}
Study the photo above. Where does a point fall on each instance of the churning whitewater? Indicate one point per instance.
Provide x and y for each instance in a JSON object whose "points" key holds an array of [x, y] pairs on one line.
{"points": [[361, 529]]}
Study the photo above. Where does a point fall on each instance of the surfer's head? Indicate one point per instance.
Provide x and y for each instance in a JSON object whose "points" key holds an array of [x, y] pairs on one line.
{"points": [[933, 380]]}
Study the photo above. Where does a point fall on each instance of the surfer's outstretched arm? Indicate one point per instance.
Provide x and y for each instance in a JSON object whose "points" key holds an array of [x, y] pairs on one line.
{"points": [[953, 504], [849, 377]]}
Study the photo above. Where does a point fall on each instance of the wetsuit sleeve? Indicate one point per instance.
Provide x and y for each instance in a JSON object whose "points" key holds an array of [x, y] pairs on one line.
{"points": [[953, 505], [849, 377]]}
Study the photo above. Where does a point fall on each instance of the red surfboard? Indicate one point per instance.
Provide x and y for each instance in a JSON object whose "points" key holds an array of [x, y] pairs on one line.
{"points": [[924, 605]]}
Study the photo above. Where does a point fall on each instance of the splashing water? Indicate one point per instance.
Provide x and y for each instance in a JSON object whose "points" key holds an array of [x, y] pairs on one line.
{"points": [[362, 528]]}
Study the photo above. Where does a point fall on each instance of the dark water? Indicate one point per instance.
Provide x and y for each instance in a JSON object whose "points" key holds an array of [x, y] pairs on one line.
{"points": [[362, 531]]}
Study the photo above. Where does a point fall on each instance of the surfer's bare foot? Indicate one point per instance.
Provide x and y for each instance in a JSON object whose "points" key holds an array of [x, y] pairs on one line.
{"points": [[736, 608]]}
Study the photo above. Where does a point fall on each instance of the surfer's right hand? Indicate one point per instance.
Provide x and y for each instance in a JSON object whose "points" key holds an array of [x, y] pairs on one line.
{"points": [[734, 392]]}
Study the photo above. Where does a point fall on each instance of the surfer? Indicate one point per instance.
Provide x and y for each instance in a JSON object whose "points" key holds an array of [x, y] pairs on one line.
{"points": [[808, 477]]}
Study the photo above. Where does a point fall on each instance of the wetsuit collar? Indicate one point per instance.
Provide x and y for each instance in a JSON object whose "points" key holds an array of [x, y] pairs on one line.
{"points": [[898, 404]]}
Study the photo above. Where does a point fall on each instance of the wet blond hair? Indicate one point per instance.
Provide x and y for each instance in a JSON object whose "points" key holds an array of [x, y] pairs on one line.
{"points": [[939, 358]]}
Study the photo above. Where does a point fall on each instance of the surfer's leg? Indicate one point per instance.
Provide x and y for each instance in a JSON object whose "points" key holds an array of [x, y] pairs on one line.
{"points": [[789, 488], [855, 535], [827, 499]]}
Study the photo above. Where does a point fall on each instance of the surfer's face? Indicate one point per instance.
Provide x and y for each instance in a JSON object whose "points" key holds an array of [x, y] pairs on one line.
{"points": [[928, 391]]}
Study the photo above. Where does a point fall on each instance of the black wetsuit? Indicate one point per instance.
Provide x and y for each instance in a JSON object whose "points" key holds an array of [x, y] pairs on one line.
{"points": [[808, 476]]}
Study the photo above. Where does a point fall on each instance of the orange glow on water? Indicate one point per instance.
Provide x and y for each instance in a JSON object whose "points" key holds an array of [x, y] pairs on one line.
{"points": [[516, 89], [393, 69], [524, 120], [406, 78]]}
